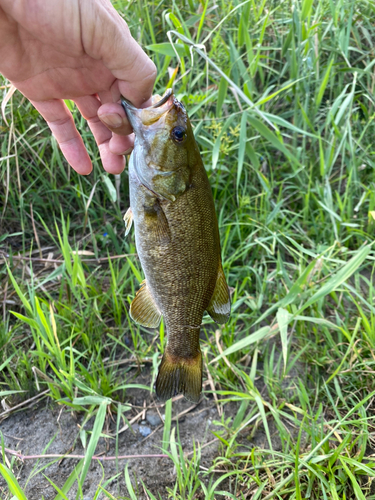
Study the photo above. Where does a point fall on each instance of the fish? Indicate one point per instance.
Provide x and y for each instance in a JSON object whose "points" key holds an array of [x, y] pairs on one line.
{"points": [[177, 241]]}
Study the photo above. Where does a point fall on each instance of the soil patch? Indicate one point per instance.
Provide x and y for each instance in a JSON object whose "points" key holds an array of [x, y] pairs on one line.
{"points": [[53, 429]]}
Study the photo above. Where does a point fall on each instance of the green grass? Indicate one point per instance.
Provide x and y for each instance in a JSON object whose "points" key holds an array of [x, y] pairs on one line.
{"points": [[281, 96]]}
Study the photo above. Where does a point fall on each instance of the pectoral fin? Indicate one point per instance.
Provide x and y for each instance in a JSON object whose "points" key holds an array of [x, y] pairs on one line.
{"points": [[219, 306], [163, 230], [143, 309], [158, 223], [128, 219]]}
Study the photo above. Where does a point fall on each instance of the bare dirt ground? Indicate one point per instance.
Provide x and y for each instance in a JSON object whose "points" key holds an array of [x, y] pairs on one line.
{"points": [[54, 429]]}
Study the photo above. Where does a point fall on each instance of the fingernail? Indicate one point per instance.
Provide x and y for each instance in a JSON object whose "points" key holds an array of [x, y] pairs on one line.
{"points": [[112, 121], [128, 151]]}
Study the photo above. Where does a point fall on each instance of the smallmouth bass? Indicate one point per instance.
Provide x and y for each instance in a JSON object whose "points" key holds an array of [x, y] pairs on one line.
{"points": [[177, 241]]}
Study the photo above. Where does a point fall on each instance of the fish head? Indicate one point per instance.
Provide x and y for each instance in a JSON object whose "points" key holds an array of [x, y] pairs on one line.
{"points": [[165, 147]]}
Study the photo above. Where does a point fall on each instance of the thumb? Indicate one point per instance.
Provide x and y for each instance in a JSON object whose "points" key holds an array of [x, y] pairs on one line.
{"points": [[106, 36]]}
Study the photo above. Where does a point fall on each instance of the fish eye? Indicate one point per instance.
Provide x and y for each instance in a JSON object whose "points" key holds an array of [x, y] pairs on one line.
{"points": [[178, 134]]}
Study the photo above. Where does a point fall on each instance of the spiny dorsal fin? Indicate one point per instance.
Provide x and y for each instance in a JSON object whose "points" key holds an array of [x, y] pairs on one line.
{"points": [[128, 218], [219, 306], [143, 309], [177, 374]]}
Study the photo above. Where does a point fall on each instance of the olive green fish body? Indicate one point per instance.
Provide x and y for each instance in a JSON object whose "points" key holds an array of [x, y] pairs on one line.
{"points": [[178, 244]]}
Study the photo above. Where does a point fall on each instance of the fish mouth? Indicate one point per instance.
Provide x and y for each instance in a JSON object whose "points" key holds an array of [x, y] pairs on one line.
{"points": [[147, 116], [167, 94], [126, 104]]}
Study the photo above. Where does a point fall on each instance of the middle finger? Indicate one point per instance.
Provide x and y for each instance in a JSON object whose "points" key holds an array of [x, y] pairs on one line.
{"points": [[89, 106]]}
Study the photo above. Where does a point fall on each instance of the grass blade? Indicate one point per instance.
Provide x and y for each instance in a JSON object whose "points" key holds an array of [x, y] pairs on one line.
{"points": [[129, 485], [167, 425], [242, 148], [73, 477], [324, 83], [340, 277], [241, 344], [357, 489], [12, 482], [95, 435], [283, 317]]}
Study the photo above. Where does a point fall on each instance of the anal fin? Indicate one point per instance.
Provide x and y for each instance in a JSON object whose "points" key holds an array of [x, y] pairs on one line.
{"points": [[219, 306], [143, 309], [128, 219]]}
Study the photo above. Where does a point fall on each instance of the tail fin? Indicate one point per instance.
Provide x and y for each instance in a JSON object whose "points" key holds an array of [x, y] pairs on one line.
{"points": [[177, 374]]}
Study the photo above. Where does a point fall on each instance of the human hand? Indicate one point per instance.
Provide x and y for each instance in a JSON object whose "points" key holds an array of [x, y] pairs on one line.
{"points": [[80, 50]]}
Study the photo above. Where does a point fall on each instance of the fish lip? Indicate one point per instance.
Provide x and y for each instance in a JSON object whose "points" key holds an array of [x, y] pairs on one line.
{"points": [[128, 106], [129, 110], [167, 94]]}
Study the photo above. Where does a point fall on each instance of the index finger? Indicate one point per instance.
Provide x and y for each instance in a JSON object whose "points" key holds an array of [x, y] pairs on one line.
{"points": [[61, 123]]}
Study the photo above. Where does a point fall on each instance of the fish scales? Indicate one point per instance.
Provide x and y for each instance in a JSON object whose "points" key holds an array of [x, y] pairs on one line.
{"points": [[185, 282], [177, 240]]}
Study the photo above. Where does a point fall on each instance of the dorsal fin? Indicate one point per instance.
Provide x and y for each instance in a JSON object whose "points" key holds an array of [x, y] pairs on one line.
{"points": [[143, 309], [219, 306]]}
